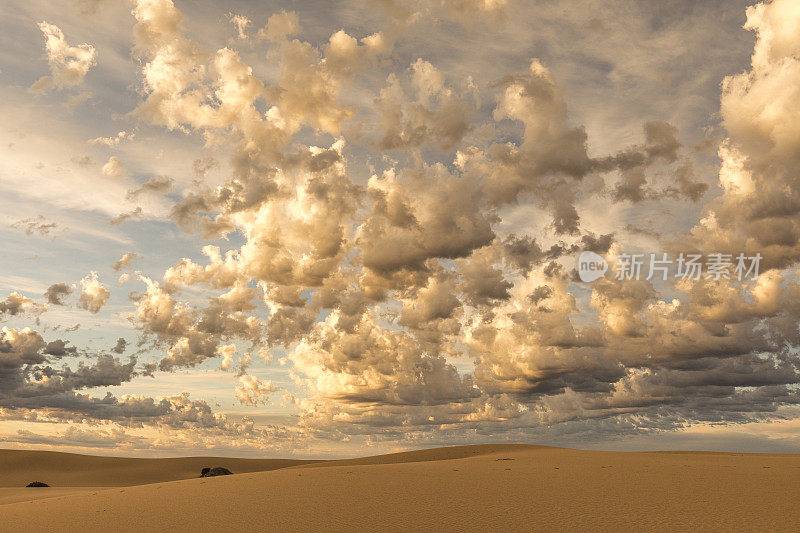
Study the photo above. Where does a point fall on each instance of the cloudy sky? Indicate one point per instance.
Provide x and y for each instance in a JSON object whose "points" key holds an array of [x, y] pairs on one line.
{"points": [[340, 228]]}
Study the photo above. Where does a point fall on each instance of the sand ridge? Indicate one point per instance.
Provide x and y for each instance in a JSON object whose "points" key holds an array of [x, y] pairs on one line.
{"points": [[19, 467]]}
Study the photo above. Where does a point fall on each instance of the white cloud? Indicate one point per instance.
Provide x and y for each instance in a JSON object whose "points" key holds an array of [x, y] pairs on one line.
{"points": [[113, 168], [93, 295], [68, 64]]}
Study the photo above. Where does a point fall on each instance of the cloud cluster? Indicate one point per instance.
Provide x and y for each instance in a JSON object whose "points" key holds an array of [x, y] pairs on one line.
{"points": [[14, 304], [412, 271], [436, 114], [68, 64], [32, 389], [253, 391], [758, 210], [426, 292]]}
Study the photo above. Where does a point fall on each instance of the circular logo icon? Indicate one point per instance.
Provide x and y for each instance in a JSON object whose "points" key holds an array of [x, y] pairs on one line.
{"points": [[591, 266]]}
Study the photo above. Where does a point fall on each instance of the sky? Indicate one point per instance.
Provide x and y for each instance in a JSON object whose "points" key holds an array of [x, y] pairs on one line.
{"points": [[328, 229]]}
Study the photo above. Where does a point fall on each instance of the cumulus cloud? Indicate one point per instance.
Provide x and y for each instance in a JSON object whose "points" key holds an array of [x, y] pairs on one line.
{"points": [[59, 348], [192, 335], [113, 168], [240, 22], [280, 26], [120, 346], [436, 113], [56, 293], [758, 210], [424, 215], [14, 304], [125, 261], [253, 391], [661, 146], [93, 295], [227, 352], [68, 64]]}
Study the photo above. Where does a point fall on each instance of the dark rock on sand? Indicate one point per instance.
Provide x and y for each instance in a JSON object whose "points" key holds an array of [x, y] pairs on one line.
{"points": [[37, 484], [216, 471]]}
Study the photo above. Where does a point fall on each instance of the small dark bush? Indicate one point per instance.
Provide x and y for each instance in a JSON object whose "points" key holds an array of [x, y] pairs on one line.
{"points": [[216, 471]]}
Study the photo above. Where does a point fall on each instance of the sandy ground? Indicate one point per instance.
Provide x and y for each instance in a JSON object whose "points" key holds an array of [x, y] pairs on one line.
{"points": [[19, 467], [474, 488]]}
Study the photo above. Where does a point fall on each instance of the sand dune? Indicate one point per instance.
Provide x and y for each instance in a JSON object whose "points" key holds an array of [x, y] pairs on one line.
{"points": [[483, 488], [16, 494], [19, 467]]}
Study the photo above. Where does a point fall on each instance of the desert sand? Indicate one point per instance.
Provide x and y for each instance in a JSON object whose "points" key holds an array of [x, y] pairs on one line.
{"points": [[469, 488]]}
